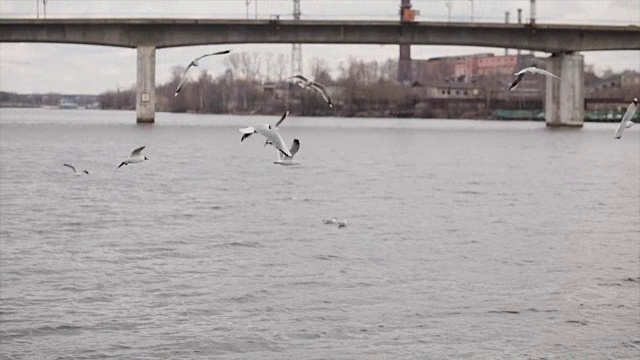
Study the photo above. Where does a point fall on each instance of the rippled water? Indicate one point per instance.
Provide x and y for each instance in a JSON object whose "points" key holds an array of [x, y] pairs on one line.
{"points": [[465, 239]]}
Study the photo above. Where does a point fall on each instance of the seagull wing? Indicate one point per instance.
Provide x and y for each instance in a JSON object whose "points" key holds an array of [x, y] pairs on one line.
{"points": [[529, 69], [295, 147], [72, 168], [322, 91], [631, 110], [137, 151], [281, 119], [215, 53], [516, 82], [275, 138], [543, 72], [280, 156], [299, 77], [246, 132], [184, 78]]}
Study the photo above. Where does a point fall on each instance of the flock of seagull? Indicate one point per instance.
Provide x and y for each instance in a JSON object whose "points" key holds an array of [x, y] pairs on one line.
{"points": [[286, 154]]}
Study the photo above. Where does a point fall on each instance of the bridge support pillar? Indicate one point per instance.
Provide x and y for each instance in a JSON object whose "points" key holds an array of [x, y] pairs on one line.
{"points": [[146, 84], [564, 98]]}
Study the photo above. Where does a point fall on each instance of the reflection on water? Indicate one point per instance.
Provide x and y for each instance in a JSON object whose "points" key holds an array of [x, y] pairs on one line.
{"points": [[465, 239]]}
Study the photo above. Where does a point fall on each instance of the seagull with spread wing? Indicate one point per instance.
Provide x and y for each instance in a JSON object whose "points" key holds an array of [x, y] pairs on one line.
{"points": [[275, 127], [533, 70], [271, 133], [626, 119], [194, 63], [135, 157], [74, 170], [287, 160], [304, 83]]}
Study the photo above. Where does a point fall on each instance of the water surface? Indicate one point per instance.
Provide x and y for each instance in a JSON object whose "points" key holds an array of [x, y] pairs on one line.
{"points": [[465, 239]]}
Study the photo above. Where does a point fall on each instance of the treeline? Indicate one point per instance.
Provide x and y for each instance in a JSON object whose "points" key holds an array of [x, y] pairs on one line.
{"points": [[40, 100], [256, 83]]}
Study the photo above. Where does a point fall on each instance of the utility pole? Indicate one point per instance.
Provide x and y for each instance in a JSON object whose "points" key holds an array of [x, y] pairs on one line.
{"points": [[404, 62], [519, 22], [296, 49], [449, 9], [255, 6], [471, 10], [44, 2], [506, 21], [247, 2], [37, 9], [532, 12]]}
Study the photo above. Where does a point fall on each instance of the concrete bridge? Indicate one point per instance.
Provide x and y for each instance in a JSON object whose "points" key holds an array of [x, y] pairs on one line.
{"points": [[564, 99]]}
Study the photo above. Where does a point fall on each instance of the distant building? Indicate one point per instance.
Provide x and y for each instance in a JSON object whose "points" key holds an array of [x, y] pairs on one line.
{"points": [[628, 79], [276, 90], [66, 103], [490, 74], [444, 90]]}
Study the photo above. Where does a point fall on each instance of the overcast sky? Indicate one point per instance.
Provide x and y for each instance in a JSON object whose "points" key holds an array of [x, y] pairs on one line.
{"points": [[83, 69]]}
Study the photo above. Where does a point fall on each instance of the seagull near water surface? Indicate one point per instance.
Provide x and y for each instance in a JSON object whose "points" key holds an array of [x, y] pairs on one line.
{"points": [[626, 119], [74, 170], [135, 157], [532, 70], [287, 160], [304, 83], [194, 63], [335, 221], [271, 133]]}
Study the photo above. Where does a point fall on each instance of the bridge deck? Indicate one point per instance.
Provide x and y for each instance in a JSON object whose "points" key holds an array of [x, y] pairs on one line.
{"points": [[163, 33]]}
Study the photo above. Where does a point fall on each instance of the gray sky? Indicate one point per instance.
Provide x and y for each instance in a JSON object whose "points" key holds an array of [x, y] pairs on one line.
{"points": [[65, 68]]}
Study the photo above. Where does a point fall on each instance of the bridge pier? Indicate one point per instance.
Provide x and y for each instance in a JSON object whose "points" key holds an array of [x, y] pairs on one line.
{"points": [[146, 84], [564, 98]]}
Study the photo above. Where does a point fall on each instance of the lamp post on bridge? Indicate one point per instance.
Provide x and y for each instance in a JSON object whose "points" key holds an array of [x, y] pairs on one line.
{"points": [[404, 61]]}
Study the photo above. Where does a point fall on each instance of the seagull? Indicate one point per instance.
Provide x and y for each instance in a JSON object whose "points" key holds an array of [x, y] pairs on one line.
{"points": [[135, 157], [271, 133], [304, 83], [287, 160], [342, 224], [533, 70], [626, 119], [74, 170], [247, 134], [194, 63], [331, 221]]}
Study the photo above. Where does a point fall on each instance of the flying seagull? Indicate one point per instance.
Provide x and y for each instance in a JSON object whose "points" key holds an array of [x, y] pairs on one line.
{"points": [[194, 63], [74, 170], [533, 70], [287, 160], [271, 133], [135, 157], [275, 127], [304, 83], [626, 119]]}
